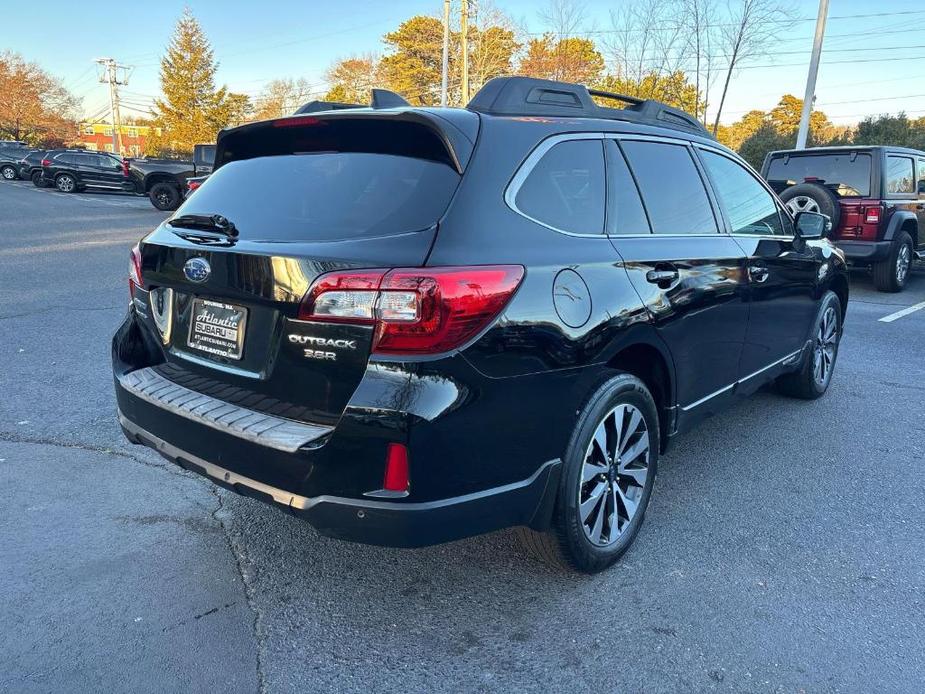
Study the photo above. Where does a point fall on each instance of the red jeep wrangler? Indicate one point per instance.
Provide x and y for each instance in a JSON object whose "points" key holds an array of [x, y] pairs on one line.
{"points": [[875, 197]]}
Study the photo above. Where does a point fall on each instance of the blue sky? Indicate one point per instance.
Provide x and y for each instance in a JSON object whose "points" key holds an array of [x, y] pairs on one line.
{"points": [[257, 42]]}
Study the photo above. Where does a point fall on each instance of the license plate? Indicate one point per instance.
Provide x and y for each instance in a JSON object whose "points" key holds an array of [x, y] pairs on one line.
{"points": [[217, 328]]}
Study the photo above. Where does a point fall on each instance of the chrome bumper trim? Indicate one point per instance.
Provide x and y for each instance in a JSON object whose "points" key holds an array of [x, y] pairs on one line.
{"points": [[250, 425]]}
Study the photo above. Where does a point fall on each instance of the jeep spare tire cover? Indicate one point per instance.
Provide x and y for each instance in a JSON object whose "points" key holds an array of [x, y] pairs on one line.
{"points": [[812, 197]]}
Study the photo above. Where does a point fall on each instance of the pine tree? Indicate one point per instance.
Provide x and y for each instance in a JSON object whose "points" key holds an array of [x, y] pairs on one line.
{"points": [[192, 109]]}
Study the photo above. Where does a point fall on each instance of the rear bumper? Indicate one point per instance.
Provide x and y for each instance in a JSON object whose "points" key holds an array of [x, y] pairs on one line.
{"points": [[389, 523], [865, 251]]}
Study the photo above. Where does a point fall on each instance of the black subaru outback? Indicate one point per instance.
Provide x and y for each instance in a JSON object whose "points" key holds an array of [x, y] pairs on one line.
{"points": [[411, 325]]}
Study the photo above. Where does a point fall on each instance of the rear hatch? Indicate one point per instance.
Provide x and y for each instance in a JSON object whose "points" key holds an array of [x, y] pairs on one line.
{"points": [[846, 174], [289, 201]]}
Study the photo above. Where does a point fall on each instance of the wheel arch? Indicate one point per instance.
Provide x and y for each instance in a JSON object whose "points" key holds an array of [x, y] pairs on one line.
{"points": [[839, 285], [902, 220], [152, 180], [649, 361]]}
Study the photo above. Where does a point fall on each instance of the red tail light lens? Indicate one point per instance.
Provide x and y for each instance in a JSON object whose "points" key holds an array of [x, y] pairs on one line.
{"points": [[134, 270], [872, 215], [396, 469], [46, 162], [415, 310], [124, 168], [193, 185]]}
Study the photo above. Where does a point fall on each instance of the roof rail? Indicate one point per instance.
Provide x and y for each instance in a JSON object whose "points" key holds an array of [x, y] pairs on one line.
{"points": [[528, 96]]}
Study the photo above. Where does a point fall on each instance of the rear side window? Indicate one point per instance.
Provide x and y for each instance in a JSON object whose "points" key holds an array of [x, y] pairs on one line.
{"points": [[565, 189], [749, 206], [625, 213], [69, 159], [847, 174], [920, 187], [321, 196], [671, 188], [900, 175]]}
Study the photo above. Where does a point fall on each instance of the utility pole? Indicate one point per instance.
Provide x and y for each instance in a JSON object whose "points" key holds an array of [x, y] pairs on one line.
{"points": [[110, 74], [446, 52], [464, 41], [811, 77]]}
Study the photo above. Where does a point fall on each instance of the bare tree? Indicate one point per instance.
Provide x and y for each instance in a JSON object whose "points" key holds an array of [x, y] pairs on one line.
{"points": [[747, 33], [700, 18], [648, 37]]}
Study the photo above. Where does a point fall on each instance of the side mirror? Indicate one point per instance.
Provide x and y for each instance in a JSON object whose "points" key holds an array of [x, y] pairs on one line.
{"points": [[812, 225]]}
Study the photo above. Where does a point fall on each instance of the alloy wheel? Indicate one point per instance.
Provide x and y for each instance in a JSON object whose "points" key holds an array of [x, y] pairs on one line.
{"points": [[903, 261], [8, 173], [825, 346], [802, 203], [613, 475], [65, 184]]}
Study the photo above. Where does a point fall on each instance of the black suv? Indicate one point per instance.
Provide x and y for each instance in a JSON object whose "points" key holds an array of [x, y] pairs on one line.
{"points": [[30, 166], [76, 169], [410, 325], [875, 197], [10, 156]]}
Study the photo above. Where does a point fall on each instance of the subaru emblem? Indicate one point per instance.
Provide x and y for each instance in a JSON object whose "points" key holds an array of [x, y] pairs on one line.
{"points": [[197, 270]]}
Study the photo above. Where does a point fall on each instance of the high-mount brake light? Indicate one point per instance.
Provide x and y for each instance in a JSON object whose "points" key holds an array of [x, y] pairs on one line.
{"points": [[295, 122], [414, 310], [134, 270]]}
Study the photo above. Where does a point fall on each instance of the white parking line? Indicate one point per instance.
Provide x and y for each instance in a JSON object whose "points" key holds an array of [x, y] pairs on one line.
{"points": [[905, 312]]}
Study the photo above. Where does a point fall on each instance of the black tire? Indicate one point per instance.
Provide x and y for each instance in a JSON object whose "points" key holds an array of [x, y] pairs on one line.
{"points": [[165, 196], [66, 183], [8, 172], [38, 181], [823, 198], [569, 542], [805, 383], [891, 275]]}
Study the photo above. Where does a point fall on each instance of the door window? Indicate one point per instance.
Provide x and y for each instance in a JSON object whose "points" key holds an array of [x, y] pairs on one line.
{"points": [[671, 188], [899, 175], [920, 186], [750, 207], [625, 213], [565, 190]]}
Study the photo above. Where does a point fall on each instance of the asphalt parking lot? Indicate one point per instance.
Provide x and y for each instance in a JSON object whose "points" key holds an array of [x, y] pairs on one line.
{"points": [[784, 550]]}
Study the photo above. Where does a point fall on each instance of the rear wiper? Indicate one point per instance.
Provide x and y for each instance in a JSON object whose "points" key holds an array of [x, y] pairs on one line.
{"points": [[214, 223]]}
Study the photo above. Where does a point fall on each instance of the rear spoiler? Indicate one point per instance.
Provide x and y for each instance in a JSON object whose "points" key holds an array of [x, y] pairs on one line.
{"points": [[456, 137]]}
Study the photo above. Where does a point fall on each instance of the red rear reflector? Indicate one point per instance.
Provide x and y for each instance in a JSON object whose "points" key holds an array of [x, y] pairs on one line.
{"points": [[396, 469], [134, 270], [415, 310], [295, 122]]}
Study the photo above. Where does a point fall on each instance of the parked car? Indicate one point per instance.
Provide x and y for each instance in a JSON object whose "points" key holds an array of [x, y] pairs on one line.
{"points": [[76, 169], [875, 197], [9, 161], [445, 322], [164, 180], [30, 166], [193, 184]]}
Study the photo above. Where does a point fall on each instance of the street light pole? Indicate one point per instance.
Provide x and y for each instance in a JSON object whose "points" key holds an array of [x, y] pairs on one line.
{"points": [[464, 40], [811, 77], [446, 52]]}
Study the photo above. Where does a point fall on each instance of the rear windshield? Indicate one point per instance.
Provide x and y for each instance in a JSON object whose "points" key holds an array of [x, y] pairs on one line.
{"points": [[320, 196], [846, 174]]}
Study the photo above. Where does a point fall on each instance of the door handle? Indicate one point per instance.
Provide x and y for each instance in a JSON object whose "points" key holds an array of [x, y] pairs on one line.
{"points": [[661, 276], [758, 273]]}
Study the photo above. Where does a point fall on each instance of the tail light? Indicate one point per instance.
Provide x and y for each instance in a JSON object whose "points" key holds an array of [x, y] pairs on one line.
{"points": [[414, 310], [125, 168], [46, 162], [872, 215], [193, 185], [134, 270]]}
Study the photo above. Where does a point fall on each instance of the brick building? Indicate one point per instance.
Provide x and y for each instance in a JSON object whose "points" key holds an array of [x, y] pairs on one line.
{"points": [[97, 137]]}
